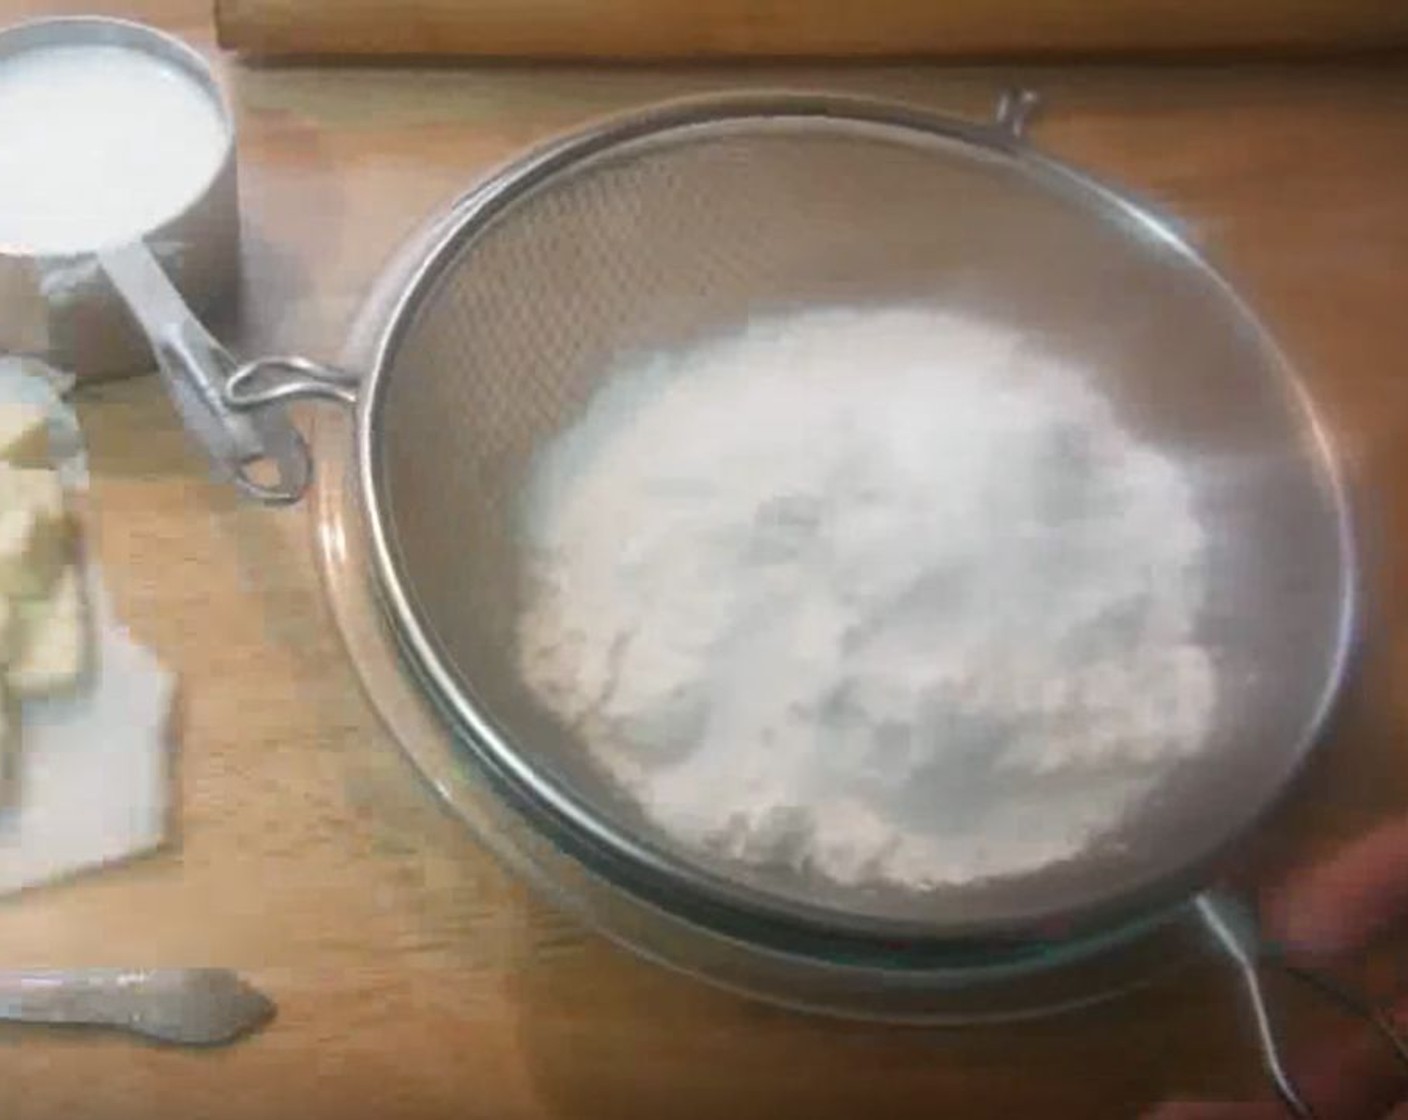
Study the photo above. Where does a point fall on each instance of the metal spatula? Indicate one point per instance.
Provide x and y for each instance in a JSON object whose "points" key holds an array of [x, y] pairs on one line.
{"points": [[180, 1006]]}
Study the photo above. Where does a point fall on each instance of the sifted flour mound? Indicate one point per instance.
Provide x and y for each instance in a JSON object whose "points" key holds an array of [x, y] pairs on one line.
{"points": [[887, 596]]}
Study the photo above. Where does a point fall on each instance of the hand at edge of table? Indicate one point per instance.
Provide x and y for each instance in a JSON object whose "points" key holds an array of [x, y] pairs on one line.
{"points": [[1335, 911]]}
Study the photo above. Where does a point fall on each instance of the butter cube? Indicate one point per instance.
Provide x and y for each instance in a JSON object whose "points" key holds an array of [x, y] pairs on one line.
{"points": [[34, 531], [24, 435], [51, 650]]}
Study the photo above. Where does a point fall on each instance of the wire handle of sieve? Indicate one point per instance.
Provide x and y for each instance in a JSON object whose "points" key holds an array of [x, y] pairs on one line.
{"points": [[1234, 928], [265, 382], [271, 383]]}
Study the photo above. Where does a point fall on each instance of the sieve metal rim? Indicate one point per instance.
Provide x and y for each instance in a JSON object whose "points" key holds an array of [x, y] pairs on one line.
{"points": [[502, 190], [1003, 138]]}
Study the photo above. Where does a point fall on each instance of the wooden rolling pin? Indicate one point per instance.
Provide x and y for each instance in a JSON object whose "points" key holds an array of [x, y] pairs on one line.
{"points": [[722, 28]]}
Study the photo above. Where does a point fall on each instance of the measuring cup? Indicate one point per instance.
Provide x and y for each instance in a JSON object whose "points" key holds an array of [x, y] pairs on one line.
{"points": [[111, 309]]}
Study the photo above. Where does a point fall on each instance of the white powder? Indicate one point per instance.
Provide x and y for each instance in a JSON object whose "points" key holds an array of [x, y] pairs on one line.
{"points": [[98, 144], [882, 595]]}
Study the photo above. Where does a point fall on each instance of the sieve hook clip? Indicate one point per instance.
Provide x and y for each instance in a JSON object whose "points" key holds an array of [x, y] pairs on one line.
{"points": [[281, 380], [1015, 109], [257, 389]]}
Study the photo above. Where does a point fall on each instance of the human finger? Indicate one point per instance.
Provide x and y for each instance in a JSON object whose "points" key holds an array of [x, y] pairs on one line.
{"points": [[1349, 900], [1352, 1076], [1356, 1076]]}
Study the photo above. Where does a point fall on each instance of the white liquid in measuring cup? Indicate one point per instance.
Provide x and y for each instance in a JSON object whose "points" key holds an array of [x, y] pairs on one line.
{"points": [[99, 144]]}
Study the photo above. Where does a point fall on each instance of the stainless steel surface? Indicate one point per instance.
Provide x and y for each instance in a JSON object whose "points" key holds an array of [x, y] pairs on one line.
{"points": [[657, 229], [270, 381], [111, 309], [61, 307], [183, 1006], [195, 368]]}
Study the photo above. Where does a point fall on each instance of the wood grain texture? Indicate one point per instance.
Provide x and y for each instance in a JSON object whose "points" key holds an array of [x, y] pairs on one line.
{"points": [[786, 28], [415, 980]]}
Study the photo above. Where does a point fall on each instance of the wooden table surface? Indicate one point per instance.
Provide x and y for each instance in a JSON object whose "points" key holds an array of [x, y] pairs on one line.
{"points": [[414, 979]]}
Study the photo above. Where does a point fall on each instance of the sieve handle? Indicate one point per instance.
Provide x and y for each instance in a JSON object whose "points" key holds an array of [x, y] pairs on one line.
{"points": [[195, 367], [258, 390], [1234, 929], [266, 382]]}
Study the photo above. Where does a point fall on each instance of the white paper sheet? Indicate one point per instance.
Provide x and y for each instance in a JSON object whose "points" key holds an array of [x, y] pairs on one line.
{"points": [[93, 780]]}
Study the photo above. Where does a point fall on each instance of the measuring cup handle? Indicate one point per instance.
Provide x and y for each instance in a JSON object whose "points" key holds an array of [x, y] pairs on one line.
{"points": [[195, 368]]}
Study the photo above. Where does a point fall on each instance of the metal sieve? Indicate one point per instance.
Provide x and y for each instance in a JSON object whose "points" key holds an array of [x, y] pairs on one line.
{"points": [[662, 228], [668, 226]]}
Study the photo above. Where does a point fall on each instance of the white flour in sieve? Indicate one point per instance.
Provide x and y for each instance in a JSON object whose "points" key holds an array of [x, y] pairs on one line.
{"points": [[886, 596]]}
